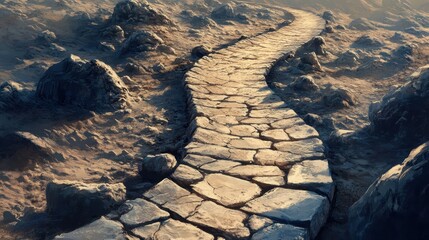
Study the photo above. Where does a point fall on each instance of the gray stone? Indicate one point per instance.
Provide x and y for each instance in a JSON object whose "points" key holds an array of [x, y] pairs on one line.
{"points": [[307, 146], [157, 166], [226, 190], [147, 231], [256, 171], [275, 135], [219, 166], [279, 231], [138, 11], [302, 132], [229, 222], [292, 205], [172, 229], [304, 83], [313, 175], [257, 222], [140, 41], [165, 191], [249, 143], [395, 205], [339, 98], [141, 212], [186, 175], [100, 229], [79, 202], [89, 84]]}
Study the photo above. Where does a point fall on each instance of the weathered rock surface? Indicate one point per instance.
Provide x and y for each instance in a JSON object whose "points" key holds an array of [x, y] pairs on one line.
{"points": [[157, 166], [223, 12], [140, 41], [89, 84], [78, 202], [280, 232], [362, 24], [403, 113], [141, 212], [395, 205], [138, 11], [100, 229], [10, 97]]}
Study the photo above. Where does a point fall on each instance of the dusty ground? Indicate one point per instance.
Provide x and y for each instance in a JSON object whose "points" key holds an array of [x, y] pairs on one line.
{"points": [[97, 146], [103, 147], [357, 158]]}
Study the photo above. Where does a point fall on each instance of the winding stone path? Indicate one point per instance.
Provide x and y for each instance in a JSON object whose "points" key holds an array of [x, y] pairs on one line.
{"points": [[252, 169]]}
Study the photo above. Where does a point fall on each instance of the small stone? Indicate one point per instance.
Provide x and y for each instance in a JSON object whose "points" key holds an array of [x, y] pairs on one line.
{"points": [[201, 51], [157, 166], [271, 181], [141, 212], [304, 83], [187, 175]]}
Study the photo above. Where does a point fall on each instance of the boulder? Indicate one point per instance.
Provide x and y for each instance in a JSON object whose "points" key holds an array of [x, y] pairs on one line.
{"points": [[349, 58], [138, 11], [89, 84], [224, 12], [328, 16], [304, 83], [157, 166], [362, 24], [78, 202], [368, 41], [113, 33], [396, 205], [10, 97], [403, 113], [310, 62], [140, 41], [339, 98], [202, 22], [316, 45], [46, 38], [201, 51]]}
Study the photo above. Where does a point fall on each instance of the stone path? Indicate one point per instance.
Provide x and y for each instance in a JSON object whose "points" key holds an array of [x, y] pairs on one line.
{"points": [[252, 169]]}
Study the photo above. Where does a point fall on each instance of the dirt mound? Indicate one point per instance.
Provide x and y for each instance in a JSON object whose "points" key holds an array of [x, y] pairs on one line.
{"points": [[90, 84], [138, 11]]}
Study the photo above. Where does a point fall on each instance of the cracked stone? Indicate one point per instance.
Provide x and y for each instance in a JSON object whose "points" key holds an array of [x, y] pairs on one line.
{"points": [[219, 166], [197, 160], [256, 171], [302, 132], [249, 143], [279, 231], [173, 229], [244, 131], [307, 146], [184, 206], [275, 135], [257, 222], [271, 181], [226, 190], [278, 113], [165, 191], [186, 175], [141, 212], [288, 123], [228, 221], [146, 232], [275, 158], [212, 137], [312, 175], [291, 205]]}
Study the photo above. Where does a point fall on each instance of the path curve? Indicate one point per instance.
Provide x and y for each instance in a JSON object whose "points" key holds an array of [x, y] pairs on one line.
{"points": [[252, 169]]}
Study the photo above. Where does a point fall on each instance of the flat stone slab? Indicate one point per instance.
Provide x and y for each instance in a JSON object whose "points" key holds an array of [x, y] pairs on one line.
{"points": [[307, 146], [281, 232], [99, 229], [300, 132], [186, 175], [292, 205], [313, 175], [141, 212], [229, 222], [256, 171], [227, 190], [172, 229]]}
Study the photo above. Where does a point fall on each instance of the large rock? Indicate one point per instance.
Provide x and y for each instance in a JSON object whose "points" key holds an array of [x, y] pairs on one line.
{"points": [[157, 166], [10, 97], [403, 113], [396, 205], [78, 202], [317, 45], [141, 41], [90, 84], [224, 12], [138, 11]]}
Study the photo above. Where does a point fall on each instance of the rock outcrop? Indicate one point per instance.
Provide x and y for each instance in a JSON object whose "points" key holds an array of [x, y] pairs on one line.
{"points": [[141, 41], [9, 96], [77, 202], [89, 84], [403, 113], [395, 206], [138, 11]]}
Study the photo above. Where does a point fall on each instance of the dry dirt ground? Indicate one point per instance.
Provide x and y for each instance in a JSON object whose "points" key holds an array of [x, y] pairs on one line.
{"points": [[104, 147]]}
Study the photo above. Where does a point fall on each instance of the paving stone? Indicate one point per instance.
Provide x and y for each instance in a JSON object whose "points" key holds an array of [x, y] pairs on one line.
{"points": [[204, 122], [279, 231], [212, 137], [147, 231], [99, 229], [183, 206], [141, 212], [165, 191], [275, 135], [219, 166], [186, 175], [292, 205], [173, 229], [271, 181], [256, 171], [226, 190], [228, 221], [307, 146], [257, 222], [278, 113], [244, 131], [287, 123], [313, 175], [249, 143], [301, 132], [276, 158]]}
